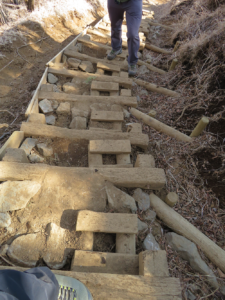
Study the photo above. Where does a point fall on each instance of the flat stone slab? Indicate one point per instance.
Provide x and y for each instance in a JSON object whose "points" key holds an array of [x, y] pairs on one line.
{"points": [[78, 123], [28, 145], [64, 108], [120, 201], [15, 195], [73, 62], [45, 106], [36, 158], [87, 66], [142, 199], [44, 149], [50, 120], [15, 155], [26, 249], [52, 78], [54, 256]]}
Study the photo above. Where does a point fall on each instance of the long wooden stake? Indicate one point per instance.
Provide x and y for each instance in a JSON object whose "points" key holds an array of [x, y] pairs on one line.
{"points": [[176, 222], [157, 49], [200, 127], [160, 126], [173, 64], [157, 89]]}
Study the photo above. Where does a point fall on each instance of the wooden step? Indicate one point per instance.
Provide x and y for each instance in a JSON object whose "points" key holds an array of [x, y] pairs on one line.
{"points": [[102, 262], [153, 263], [132, 178], [31, 129], [105, 86], [107, 116], [108, 67], [106, 222], [123, 287], [125, 82], [109, 147], [122, 100], [126, 243]]}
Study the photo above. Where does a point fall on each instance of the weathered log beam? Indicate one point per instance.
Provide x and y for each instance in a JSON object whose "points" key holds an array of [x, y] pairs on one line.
{"points": [[176, 222]]}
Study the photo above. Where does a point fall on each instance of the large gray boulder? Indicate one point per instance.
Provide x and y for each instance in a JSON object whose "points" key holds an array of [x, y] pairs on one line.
{"points": [[189, 252]]}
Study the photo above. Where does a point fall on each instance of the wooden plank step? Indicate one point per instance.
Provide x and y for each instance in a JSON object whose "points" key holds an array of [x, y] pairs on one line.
{"points": [[133, 177], [31, 129], [126, 82], [94, 44], [106, 222], [108, 67], [103, 262], [105, 86], [13, 141], [113, 166], [107, 116], [122, 100], [123, 287], [153, 263], [109, 147]]}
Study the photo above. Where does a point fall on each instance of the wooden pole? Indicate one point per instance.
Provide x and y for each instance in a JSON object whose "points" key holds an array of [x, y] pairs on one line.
{"points": [[200, 127], [157, 49], [154, 88], [173, 64], [157, 125], [176, 222]]}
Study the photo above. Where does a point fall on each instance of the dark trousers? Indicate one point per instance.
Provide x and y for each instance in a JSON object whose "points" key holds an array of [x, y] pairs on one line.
{"points": [[34, 284], [133, 9]]}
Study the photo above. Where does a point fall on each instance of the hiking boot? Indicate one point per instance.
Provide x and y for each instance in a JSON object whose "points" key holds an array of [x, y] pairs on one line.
{"points": [[132, 70], [113, 54]]}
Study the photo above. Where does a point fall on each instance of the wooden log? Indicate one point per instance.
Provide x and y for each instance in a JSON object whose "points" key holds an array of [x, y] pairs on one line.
{"points": [[103, 262], [171, 199], [94, 44], [13, 141], [157, 125], [106, 222], [200, 127], [151, 67], [145, 161], [123, 287], [126, 82], [173, 64], [157, 89], [31, 129], [122, 100], [108, 67], [107, 116], [153, 263], [157, 49], [109, 147], [140, 177], [105, 86], [176, 222], [158, 24]]}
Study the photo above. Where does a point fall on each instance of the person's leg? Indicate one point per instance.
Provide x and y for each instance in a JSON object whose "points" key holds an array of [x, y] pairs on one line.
{"points": [[133, 17], [116, 13]]}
